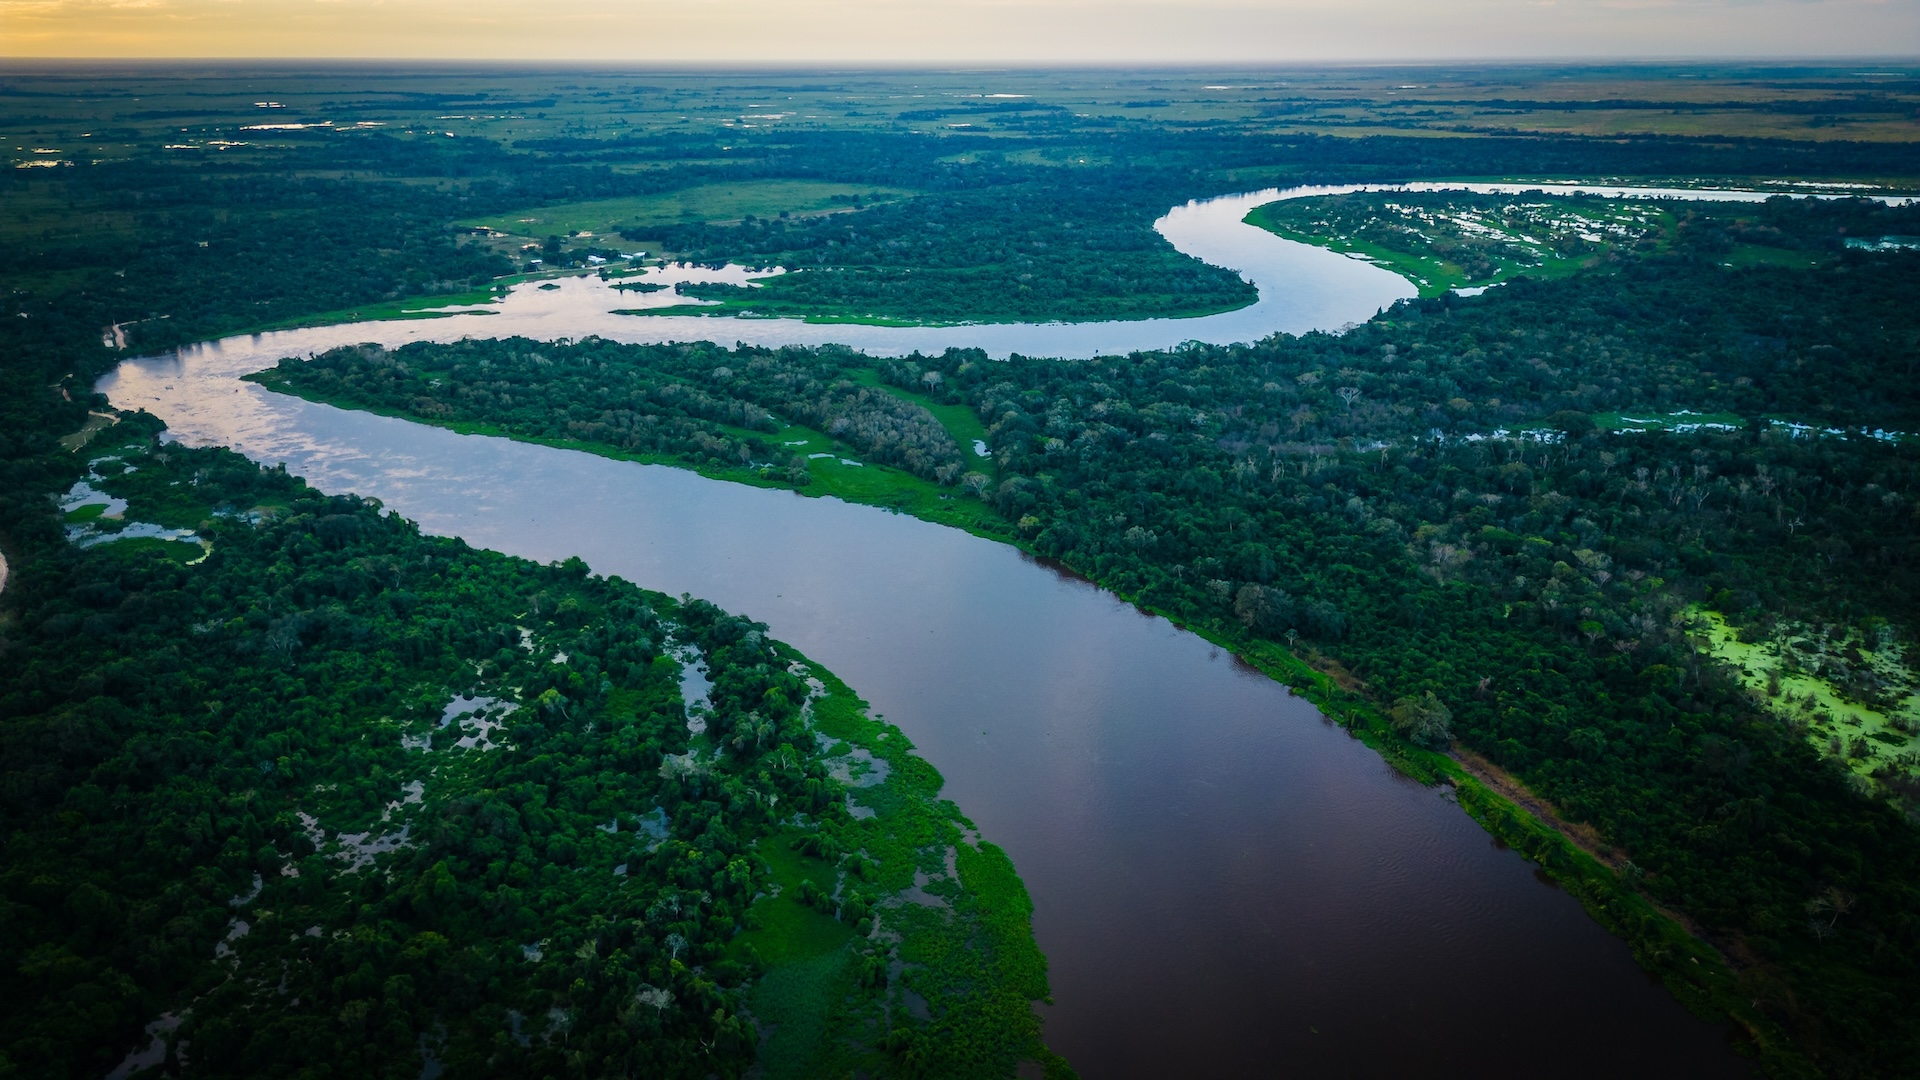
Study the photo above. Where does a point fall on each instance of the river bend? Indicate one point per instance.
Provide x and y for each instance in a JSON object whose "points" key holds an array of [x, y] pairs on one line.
{"points": [[1224, 883]]}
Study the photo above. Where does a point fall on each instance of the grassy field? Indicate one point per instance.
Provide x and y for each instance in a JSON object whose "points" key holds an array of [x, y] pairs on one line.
{"points": [[1744, 255], [838, 473], [708, 202], [1650, 420], [185, 552]]}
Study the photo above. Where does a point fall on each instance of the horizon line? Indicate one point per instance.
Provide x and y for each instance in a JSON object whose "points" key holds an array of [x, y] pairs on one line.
{"points": [[988, 64]]}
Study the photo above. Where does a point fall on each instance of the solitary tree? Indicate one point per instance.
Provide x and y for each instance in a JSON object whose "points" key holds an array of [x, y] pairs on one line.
{"points": [[1423, 720]]}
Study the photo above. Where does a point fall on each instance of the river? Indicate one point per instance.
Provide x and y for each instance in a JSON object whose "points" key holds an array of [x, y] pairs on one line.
{"points": [[1224, 883]]}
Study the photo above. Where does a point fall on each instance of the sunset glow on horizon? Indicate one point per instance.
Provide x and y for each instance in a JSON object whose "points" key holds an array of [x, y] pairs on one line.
{"points": [[893, 31]]}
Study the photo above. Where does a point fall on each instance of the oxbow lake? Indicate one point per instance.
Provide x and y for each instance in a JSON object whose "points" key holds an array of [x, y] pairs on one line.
{"points": [[1225, 884]]}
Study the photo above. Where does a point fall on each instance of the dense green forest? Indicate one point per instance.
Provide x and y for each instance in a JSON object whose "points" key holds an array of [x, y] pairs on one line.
{"points": [[339, 795], [237, 813], [1448, 508], [242, 822], [1033, 252]]}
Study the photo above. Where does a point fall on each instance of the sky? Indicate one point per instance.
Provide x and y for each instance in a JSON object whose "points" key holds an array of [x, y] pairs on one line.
{"points": [[948, 31]]}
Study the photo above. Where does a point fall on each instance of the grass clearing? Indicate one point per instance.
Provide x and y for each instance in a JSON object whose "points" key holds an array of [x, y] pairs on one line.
{"points": [[96, 423], [1683, 420], [807, 956], [1793, 675], [961, 421], [734, 308], [896, 489], [184, 552], [1745, 255], [706, 202]]}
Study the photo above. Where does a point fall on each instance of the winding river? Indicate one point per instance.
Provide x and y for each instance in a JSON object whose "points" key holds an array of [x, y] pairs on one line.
{"points": [[1224, 883]]}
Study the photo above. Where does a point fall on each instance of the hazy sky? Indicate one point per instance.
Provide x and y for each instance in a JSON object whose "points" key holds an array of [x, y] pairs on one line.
{"points": [[960, 30]]}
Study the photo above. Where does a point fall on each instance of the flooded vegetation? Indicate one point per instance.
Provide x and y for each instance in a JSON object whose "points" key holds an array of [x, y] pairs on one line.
{"points": [[1855, 696]]}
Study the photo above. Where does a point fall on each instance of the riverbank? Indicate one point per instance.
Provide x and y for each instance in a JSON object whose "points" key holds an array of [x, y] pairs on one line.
{"points": [[971, 645], [1023, 416], [924, 905], [829, 475], [755, 306], [1696, 972]]}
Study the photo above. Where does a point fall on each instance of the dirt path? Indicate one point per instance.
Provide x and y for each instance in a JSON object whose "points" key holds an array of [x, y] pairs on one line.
{"points": [[1584, 836], [1587, 839]]}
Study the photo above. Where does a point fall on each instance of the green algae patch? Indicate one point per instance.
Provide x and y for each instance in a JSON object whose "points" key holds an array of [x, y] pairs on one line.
{"points": [[1858, 701]]}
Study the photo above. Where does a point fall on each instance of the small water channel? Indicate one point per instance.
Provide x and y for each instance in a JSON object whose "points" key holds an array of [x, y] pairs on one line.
{"points": [[1224, 883]]}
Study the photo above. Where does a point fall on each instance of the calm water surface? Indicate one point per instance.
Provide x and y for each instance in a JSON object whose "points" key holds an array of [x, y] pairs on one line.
{"points": [[1224, 883]]}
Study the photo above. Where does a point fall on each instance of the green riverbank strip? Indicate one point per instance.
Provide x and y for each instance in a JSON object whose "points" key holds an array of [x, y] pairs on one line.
{"points": [[829, 997], [1693, 970], [835, 472], [757, 305], [746, 309], [415, 307], [837, 995]]}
